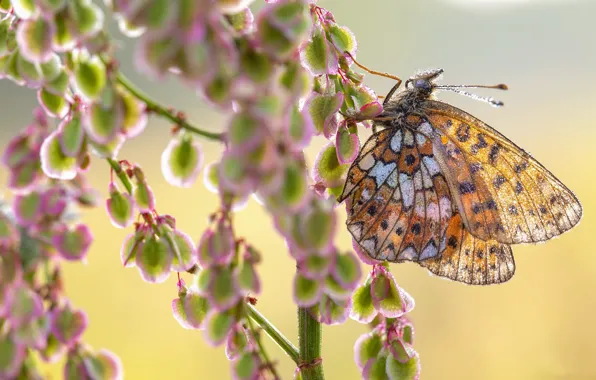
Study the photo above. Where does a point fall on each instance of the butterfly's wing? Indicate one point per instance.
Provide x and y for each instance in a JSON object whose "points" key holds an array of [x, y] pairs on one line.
{"points": [[397, 199], [501, 191], [470, 260]]}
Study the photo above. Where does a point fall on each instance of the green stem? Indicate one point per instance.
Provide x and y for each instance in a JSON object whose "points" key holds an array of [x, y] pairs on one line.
{"points": [[155, 107], [264, 356], [309, 335], [283, 342], [121, 174]]}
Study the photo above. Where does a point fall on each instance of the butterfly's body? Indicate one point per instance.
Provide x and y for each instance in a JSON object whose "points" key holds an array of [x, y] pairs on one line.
{"points": [[441, 188]]}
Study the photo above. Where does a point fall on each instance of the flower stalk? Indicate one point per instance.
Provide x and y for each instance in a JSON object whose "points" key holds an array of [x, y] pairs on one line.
{"points": [[309, 336]]}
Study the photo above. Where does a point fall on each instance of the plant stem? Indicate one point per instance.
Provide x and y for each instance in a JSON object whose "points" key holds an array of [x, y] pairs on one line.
{"points": [[153, 106], [121, 174], [309, 336], [283, 342], [264, 356]]}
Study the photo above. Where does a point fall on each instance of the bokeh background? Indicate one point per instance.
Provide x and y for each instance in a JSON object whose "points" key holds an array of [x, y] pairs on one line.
{"points": [[539, 325]]}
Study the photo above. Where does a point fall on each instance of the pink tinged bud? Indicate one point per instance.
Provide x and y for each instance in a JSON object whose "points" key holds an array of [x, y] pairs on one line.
{"points": [[247, 366], [26, 306], [281, 27], [327, 169], [104, 365], [323, 110], [317, 56], [120, 207], [190, 310], [315, 266], [217, 326], [154, 260], [73, 243], [54, 201], [9, 237], [293, 194], [347, 146], [389, 299], [89, 76], [375, 368], [18, 151], [371, 110], [236, 342], [248, 279], [54, 163], [245, 130], [300, 128], [33, 334], [235, 174], [25, 177], [397, 370], [181, 161], [68, 325], [342, 38], [307, 292], [34, 37], [242, 22], [131, 245], [28, 208], [103, 121], [317, 228], [400, 350], [367, 346], [211, 178], [363, 309], [143, 196], [330, 311], [53, 350], [71, 135], [222, 289], [183, 250], [13, 355], [54, 105], [135, 114], [346, 271], [217, 247]]}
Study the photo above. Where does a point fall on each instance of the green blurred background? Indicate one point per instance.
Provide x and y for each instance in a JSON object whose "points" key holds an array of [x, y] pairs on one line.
{"points": [[539, 325]]}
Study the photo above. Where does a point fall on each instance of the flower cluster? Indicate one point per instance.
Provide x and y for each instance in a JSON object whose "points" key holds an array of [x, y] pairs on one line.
{"points": [[385, 352], [156, 247], [37, 232], [215, 301]]}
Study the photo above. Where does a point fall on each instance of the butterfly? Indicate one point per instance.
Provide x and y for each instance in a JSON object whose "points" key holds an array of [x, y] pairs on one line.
{"points": [[441, 188]]}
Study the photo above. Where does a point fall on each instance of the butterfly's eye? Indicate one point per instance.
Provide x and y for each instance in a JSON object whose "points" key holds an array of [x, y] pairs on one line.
{"points": [[422, 84]]}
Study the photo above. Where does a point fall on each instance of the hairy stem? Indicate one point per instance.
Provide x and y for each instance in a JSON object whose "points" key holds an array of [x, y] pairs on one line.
{"points": [[262, 352], [309, 335], [283, 342], [175, 117]]}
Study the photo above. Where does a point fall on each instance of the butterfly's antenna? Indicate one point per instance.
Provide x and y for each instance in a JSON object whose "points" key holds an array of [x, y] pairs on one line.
{"points": [[374, 72], [500, 86], [490, 100]]}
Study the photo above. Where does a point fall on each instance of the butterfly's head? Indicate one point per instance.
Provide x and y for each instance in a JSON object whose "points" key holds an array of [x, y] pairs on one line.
{"points": [[424, 82]]}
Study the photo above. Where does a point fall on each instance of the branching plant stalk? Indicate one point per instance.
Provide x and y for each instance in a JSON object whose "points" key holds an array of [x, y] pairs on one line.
{"points": [[261, 348], [153, 106], [283, 342], [309, 336]]}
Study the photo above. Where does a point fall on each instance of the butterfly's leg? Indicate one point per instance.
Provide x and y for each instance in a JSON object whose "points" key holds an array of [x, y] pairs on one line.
{"points": [[390, 93]]}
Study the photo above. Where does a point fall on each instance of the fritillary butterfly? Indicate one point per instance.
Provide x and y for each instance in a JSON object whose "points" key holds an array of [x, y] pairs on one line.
{"points": [[441, 188]]}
